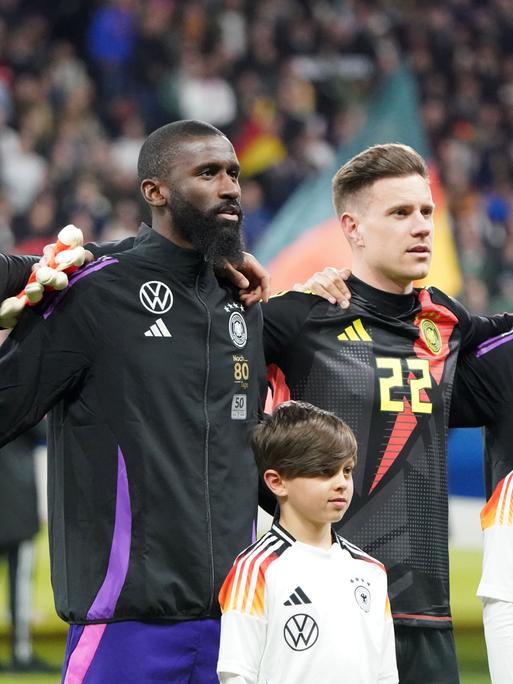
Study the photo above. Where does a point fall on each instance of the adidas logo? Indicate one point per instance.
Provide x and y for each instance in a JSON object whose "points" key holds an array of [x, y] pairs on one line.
{"points": [[297, 598], [158, 329], [355, 333]]}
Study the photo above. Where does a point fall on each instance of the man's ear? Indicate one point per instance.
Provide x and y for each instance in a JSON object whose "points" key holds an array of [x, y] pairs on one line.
{"points": [[275, 482], [351, 228], [151, 190]]}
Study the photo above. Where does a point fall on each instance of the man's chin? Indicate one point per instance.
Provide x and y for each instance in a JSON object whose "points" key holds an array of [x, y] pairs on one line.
{"points": [[227, 247], [233, 257], [420, 274]]}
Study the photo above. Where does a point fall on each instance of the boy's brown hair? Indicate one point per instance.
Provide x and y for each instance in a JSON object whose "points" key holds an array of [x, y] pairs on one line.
{"points": [[301, 440], [392, 160]]}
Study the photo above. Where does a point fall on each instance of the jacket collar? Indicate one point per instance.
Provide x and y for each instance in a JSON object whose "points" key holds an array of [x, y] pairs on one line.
{"points": [[152, 246]]}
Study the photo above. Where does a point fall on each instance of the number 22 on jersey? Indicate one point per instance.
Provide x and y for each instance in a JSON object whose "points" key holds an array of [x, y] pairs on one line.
{"points": [[419, 379]]}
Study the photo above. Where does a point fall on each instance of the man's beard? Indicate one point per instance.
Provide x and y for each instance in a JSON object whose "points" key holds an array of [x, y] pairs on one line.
{"points": [[218, 239]]}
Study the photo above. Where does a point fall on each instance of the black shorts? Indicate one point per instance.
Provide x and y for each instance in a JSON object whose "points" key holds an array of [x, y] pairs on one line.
{"points": [[426, 656]]}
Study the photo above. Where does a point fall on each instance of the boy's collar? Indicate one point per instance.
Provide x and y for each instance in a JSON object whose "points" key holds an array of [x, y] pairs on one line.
{"points": [[282, 532]]}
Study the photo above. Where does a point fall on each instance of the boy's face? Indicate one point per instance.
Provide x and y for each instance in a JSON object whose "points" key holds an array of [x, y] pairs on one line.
{"points": [[321, 500]]}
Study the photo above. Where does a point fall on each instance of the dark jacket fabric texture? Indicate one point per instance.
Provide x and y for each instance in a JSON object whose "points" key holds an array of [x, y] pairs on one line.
{"points": [[153, 373]]}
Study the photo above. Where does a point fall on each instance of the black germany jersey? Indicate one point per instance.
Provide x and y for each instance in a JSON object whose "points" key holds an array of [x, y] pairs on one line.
{"points": [[483, 395], [386, 366]]}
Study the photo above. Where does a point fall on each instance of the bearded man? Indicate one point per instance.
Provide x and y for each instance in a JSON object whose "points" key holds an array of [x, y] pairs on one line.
{"points": [[152, 369]]}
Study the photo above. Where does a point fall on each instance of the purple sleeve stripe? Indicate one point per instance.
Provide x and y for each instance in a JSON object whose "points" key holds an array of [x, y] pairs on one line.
{"points": [[104, 604], [493, 343], [78, 275]]}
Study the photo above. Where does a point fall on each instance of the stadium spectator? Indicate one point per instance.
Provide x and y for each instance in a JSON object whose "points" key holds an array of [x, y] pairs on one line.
{"points": [[256, 214]]}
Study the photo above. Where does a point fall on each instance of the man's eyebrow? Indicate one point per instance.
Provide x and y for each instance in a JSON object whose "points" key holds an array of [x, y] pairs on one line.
{"points": [[409, 205], [216, 165], [399, 205], [207, 165]]}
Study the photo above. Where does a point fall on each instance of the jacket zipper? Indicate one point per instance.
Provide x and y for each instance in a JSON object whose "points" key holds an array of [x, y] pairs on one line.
{"points": [[206, 451]]}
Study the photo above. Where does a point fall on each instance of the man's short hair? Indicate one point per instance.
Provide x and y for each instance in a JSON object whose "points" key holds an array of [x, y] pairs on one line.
{"points": [[392, 160], [301, 440], [159, 148]]}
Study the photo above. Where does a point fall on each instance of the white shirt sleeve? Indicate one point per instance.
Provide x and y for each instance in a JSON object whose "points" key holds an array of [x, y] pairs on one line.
{"points": [[230, 678], [242, 645]]}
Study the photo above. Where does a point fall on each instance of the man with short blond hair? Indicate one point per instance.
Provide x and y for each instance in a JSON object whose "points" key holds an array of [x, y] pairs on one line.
{"points": [[385, 365]]}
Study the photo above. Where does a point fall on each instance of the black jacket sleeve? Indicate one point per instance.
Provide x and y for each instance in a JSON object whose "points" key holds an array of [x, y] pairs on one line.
{"points": [[14, 273], [469, 405], [40, 361], [477, 329], [15, 270], [284, 318], [483, 386]]}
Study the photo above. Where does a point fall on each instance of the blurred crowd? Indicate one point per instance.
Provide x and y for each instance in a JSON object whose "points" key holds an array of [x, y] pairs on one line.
{"points": [[288, 82], [462, 54]]}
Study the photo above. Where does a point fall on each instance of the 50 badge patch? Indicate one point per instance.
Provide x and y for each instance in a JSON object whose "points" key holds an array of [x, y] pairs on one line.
{"points": [[239, 407]]}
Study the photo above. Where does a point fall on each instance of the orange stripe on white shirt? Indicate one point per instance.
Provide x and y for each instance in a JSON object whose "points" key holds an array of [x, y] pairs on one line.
{"points": [[498, 510]]}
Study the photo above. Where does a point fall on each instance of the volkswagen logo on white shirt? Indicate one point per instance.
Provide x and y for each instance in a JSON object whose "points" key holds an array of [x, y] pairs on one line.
{"points": [[238, 330], [301, 632], [156, 297]]}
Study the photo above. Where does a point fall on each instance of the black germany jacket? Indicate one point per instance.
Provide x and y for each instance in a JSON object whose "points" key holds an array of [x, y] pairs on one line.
{"points": [[153, 371]]}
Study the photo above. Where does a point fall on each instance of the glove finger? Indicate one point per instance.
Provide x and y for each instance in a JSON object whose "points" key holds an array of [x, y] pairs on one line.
{"points": [[70, 257]]}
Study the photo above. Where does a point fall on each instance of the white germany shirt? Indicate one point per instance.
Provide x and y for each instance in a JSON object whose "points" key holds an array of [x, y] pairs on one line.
{"points": [[497, 524], [298, 614]]}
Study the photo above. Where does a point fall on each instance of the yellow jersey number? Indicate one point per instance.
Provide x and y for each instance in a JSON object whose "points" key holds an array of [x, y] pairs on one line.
{"points": [[421, 381]]}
